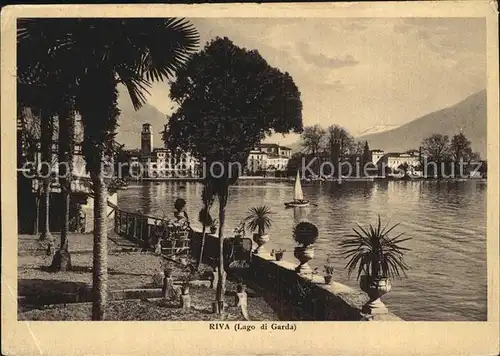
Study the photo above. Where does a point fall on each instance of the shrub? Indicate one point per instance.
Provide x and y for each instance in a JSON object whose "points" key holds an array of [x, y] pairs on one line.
{"points": [[305, 233]]}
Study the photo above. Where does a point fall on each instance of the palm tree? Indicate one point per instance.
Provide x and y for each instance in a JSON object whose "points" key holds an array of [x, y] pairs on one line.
{"points": [[45, 84], [42, 89], [62, 259], [100, 54]]}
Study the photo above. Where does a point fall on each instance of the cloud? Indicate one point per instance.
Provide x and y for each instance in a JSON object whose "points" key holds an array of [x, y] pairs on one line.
{"points": [[323, 61], [407, 67]]}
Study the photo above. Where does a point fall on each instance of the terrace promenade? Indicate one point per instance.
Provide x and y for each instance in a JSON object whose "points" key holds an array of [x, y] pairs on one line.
{"points": [[278, 292]]}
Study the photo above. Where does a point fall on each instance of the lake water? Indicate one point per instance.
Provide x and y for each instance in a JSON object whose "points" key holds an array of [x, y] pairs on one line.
{"points": [[446, 221]]}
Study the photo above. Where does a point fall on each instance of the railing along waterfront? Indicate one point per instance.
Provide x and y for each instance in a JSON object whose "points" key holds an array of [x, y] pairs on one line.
{"points": [[152, 232], [290, 293]]}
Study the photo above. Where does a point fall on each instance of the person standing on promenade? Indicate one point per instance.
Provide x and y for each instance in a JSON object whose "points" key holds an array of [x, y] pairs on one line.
{"points": [[180, 213]]}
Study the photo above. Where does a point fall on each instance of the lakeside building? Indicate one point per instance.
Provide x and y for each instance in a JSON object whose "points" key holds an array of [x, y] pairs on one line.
{"points": [[160, 162], [151, 162], [275, 149], [394, 160], [376, 156], [278, 163], [257, 161], [268, 157]]}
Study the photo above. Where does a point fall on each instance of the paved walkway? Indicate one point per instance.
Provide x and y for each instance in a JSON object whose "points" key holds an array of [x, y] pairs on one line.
{"points": [[78, 243]]}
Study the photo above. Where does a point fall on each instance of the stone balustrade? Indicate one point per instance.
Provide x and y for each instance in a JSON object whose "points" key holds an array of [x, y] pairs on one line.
{"points": [[293, 295]]}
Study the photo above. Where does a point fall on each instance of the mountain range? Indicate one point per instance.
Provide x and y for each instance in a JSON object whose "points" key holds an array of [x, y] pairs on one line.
{"points": [[131, 121], [375, 129], [467, 116]]}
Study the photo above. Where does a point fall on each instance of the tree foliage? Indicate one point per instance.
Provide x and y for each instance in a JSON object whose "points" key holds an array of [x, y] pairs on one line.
{"points": [[295, 163], [340, 142], [229, 100], [460, 148], [312, 138], [83, 60], [436, 147]]}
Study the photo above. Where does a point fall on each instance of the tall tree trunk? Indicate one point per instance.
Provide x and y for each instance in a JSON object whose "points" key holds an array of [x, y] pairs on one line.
{"points": [[97, 103], [66, 142], [62, 258], [100, 265], [221, 284], [46, 150], [208, 200], [203, 234], [37, 212]]}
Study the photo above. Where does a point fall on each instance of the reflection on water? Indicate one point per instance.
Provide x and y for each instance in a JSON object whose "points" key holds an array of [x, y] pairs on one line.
{"points": [[447, 223]]}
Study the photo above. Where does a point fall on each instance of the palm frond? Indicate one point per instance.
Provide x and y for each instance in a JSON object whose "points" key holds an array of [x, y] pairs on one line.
{"points": [[259, 218], [371, 251], [165, 45]]}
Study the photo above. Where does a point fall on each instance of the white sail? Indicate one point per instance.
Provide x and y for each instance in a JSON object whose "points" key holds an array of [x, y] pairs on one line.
{"points": [[298, 195]]}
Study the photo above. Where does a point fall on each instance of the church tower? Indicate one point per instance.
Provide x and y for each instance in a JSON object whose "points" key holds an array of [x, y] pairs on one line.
{"points": [[146, 139]]}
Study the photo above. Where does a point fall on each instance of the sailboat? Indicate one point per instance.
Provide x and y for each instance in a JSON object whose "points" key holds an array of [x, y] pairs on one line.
{"points": [[298, 196]]}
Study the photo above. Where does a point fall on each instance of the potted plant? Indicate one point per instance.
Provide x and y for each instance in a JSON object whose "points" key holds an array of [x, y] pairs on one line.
{"points": [[278, 254], [259, 219], [377, 258], [239, 231], [328, 273], [213, 226], [305, 234]]}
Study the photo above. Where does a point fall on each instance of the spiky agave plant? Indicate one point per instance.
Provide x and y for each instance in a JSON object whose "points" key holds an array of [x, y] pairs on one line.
{"points": [[374, 253], [259, 219]]}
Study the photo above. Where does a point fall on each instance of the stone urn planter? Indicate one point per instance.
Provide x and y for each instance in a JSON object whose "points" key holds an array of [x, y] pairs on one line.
{"points": [[260, 240], [328, 279], [375, 287], [304, 254], [259, 220], [305, 234], [379, 257]]}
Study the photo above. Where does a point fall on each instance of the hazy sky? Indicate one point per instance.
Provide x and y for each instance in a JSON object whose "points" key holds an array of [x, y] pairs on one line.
{"points": [[361, 73]]}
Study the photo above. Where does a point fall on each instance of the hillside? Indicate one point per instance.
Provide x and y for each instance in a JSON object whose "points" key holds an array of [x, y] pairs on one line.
{"points": [[129, 131], [376, 129], [468, 115]]}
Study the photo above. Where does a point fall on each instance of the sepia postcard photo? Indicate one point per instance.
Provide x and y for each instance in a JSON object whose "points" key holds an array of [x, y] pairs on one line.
{"points": [[250, 179]]}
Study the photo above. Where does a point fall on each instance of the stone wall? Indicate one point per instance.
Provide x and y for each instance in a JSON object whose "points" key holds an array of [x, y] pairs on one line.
{"points": [[292, 296]]}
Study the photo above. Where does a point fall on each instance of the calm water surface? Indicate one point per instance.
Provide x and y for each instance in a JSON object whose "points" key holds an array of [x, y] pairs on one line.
{"points": [[447, 222]]}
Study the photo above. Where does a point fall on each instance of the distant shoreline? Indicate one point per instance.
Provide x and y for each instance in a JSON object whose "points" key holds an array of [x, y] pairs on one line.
{"points": [[291, 179]]}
